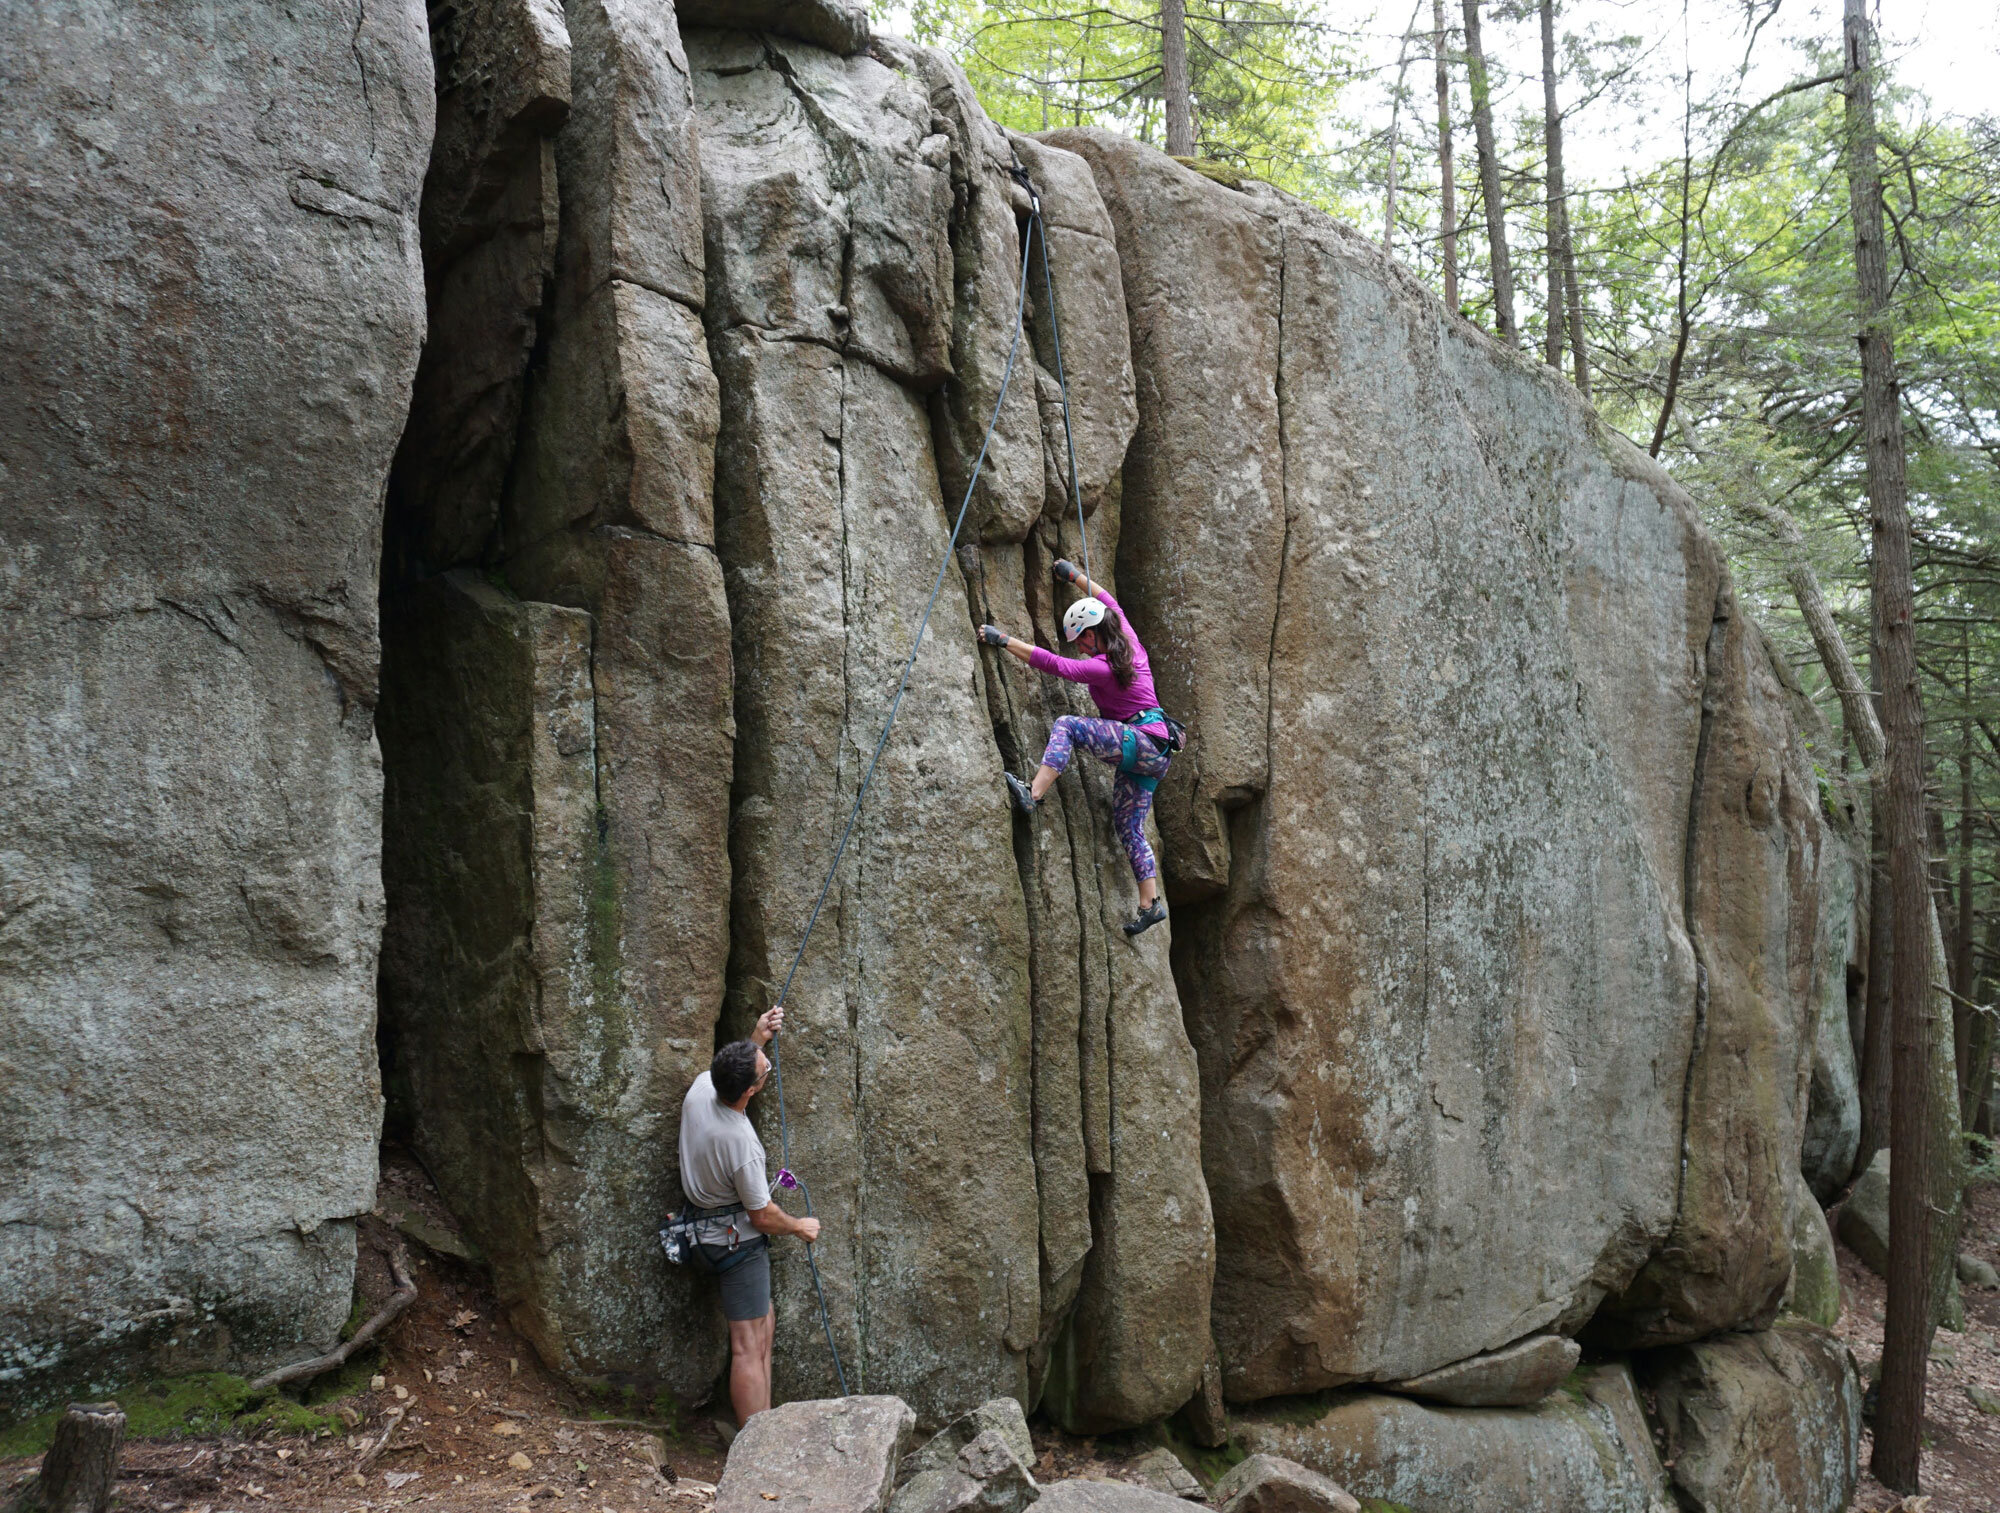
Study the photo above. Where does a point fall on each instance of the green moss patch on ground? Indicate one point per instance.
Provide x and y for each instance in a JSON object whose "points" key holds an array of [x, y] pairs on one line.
{"points": [[210, 1402]]}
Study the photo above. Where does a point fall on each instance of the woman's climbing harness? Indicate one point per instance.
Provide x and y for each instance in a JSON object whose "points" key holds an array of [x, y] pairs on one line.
{"points": [[1032, 238]]}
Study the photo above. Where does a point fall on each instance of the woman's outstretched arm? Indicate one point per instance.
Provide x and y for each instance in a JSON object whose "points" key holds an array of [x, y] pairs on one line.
{"points": [[1019, 650]]}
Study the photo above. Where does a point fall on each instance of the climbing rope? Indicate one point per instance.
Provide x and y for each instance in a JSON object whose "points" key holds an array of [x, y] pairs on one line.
{"points": [[1033, 238]]}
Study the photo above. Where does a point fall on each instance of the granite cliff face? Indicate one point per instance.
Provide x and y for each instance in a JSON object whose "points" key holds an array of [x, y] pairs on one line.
{"points": [[1502, 988], [213, 303]]}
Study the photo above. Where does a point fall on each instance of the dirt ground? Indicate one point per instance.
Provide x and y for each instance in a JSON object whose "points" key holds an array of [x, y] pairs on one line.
{"points": [[1961, 1466], [457, 1413]]}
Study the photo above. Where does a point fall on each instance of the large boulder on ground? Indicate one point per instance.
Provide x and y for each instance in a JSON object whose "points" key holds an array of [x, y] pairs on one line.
{"points": [[212, 303], [988, 1474], [1524, 1372], [1766, 1422], [1001, 1415], [822, 1455], [1586, 1451], [1272, 1484]]}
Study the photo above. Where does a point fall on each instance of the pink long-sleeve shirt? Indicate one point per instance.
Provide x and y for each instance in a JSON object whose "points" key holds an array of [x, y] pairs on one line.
{"points": [[1115, 701]]}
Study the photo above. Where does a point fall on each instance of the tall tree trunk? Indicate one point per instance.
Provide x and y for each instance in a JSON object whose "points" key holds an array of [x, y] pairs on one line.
{"points": [[1552, 335], [1579, 352], [1907, 1328], [1876, 1039], [1395, 125], [1683, 321], [1961, 933], [1448, 186], [1562, 245], [1489, 179], [1174, 78]]}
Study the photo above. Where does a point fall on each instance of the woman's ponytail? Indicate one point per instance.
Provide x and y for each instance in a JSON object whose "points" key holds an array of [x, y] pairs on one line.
{"points": [[1117, 648]]}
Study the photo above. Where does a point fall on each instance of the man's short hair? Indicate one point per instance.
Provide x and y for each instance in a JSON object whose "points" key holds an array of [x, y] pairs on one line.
{"points": [[733, 1070]]}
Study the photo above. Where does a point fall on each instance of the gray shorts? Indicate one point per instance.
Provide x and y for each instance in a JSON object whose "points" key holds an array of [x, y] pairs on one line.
{"points": [[746, 1284]]}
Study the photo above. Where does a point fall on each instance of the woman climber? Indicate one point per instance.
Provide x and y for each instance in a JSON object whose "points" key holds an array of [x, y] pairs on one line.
{"points": [[1133, 735]]}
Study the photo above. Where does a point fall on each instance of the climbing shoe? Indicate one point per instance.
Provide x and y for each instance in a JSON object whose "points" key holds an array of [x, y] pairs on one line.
{"points": [[1024, 797], [1148, 917]]}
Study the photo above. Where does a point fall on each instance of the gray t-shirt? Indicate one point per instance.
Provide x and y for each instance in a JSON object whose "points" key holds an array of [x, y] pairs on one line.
{"points": [[722, 1162]]}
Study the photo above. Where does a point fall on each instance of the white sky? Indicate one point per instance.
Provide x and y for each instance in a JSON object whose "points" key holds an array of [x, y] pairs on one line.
{"points": [[1948, 49]]}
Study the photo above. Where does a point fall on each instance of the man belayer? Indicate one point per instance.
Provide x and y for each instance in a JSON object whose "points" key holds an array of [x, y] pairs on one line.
{"points": [[722, 1174], [1133, 734]]}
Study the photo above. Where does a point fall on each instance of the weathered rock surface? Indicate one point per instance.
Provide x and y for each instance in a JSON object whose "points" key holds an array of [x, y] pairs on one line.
{"points": [[1342, 581], [820, 1455], [212, 314], [988, 1474], [1272, 1484], [1814, 1290], [1001, 1416], [1523, 1373], [546, 1073], [1754, 911], [1583, 1453], [1864, 1217], [1768, 1422], [1161, 1469], [1085, 1496], [1832, 1132]]}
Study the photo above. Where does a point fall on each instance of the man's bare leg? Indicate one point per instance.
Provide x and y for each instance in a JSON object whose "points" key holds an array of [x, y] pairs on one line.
{"points": [[750, 1365]]}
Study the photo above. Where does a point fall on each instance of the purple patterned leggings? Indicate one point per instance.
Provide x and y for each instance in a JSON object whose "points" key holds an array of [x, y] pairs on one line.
{"points": [[1105, 740]]}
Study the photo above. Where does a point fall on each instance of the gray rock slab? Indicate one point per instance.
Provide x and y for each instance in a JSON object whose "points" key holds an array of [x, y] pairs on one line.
{"points": [[821, 1455], [1161, 1469], [1974, 1271], [987, 1475], [1271, 1484], [1588, 1452], [907, 1050], [1086, 1496], [1764, 1422], [1864, 1217], [558, 1154], [1814, 1291], [1832, 1129], [1524, 1372], [1000, 1415], [212, 312]]}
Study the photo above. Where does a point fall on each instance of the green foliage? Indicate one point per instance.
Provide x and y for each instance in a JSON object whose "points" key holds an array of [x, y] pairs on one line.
{"points": [[1266, 75]]}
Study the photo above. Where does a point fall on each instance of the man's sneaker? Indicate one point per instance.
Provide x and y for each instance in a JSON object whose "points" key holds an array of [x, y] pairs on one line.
{"points": [[1148, 917], [1024, 797]]}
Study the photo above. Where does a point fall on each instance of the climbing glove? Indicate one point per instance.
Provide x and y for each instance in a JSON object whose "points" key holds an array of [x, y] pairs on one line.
{"points": [[1066, 571], [993, 635]]}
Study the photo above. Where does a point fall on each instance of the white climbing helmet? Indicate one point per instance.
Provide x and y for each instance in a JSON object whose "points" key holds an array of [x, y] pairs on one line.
{"points": [[1080, 616]]}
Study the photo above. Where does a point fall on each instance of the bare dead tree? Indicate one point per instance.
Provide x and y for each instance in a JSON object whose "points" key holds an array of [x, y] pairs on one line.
{"points": [[1174, 87], [1907, 1328], [1395, 123], [1448, 208], [1489, 178]]}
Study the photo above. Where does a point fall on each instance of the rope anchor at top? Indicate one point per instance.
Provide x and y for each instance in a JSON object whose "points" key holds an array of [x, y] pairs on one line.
{"points": [[1032, 237]]}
